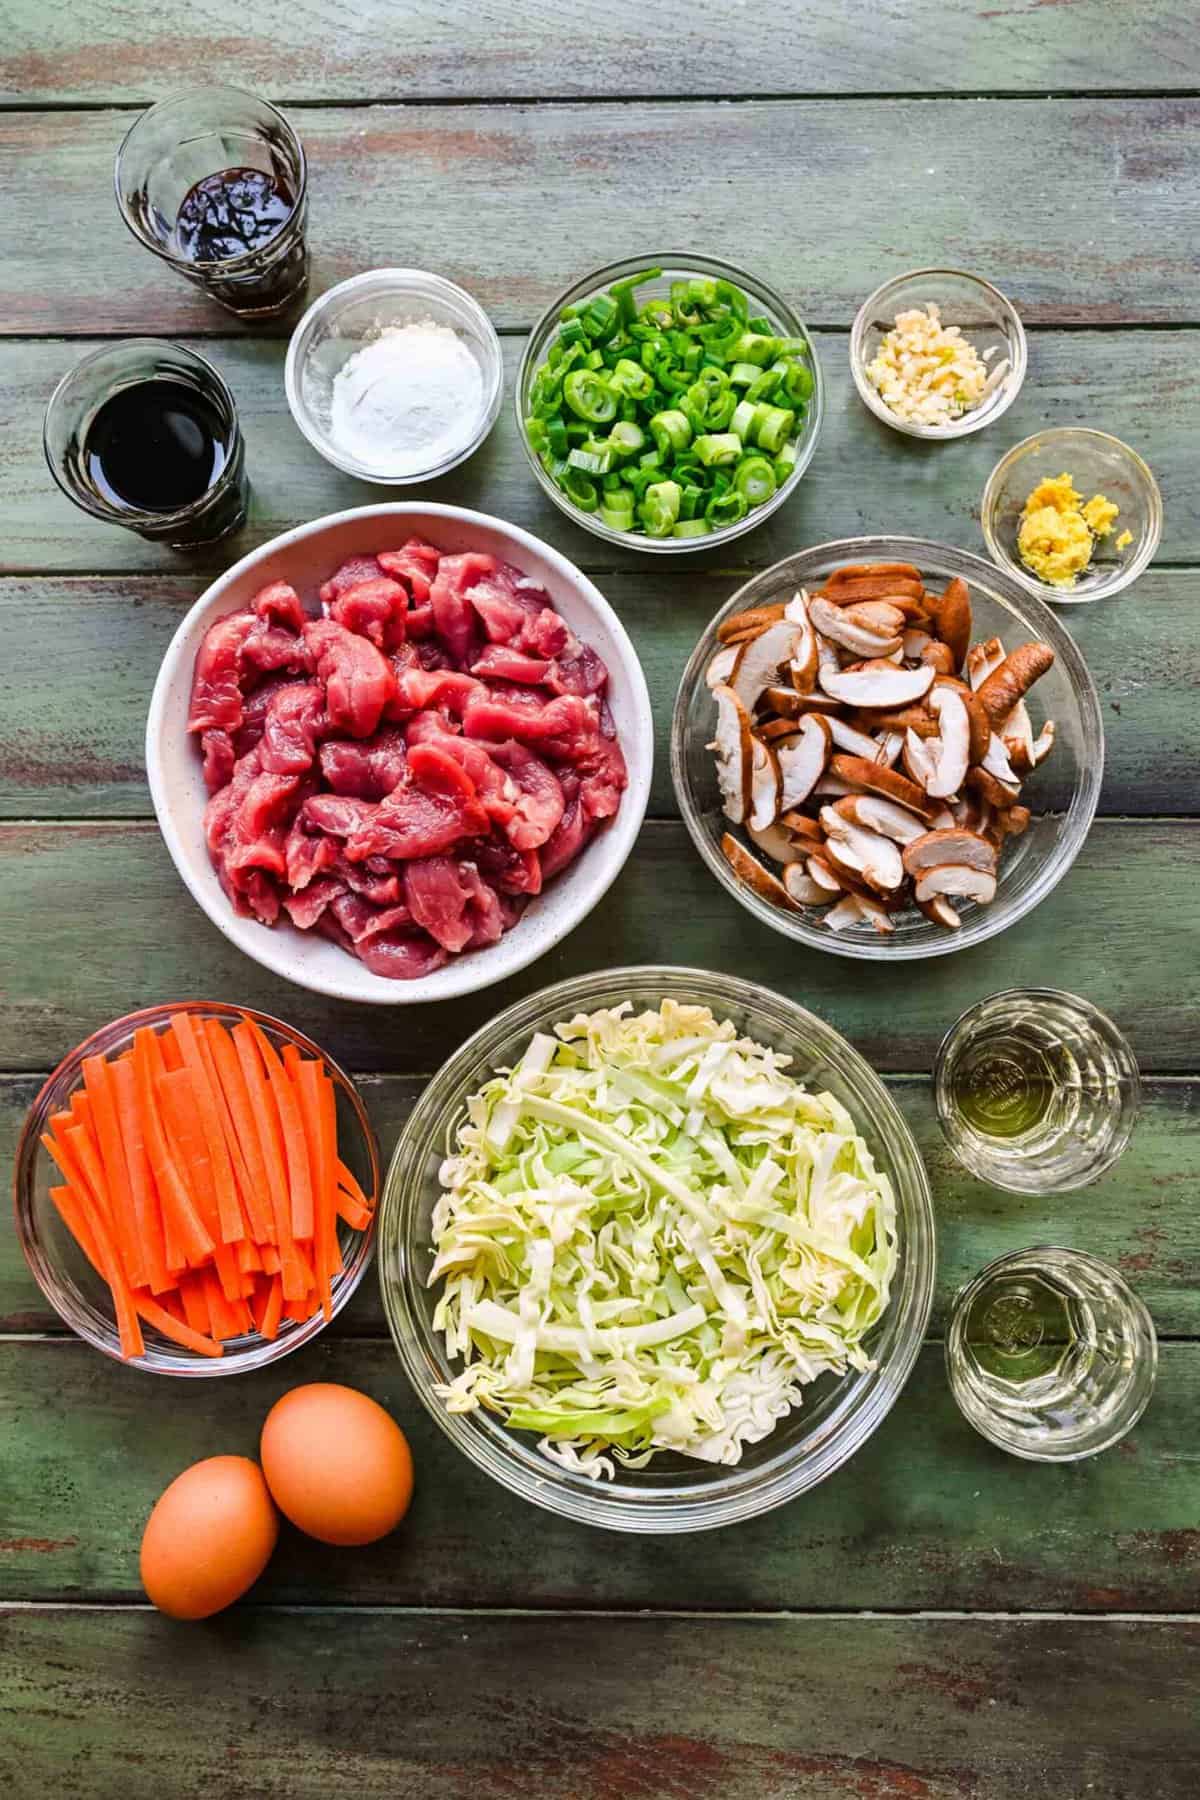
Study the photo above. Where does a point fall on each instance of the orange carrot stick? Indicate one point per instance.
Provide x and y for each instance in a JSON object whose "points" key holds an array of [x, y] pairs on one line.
{"points": [[176, 1329], [73, 1218], [170, 1051], [229, 1212], [97, 1080], [108, 1262], [356, 1216], [246, 1038], [312, 1081], [347, 1180], [146, 1210], [177, 1091], [295, 1143], [268, 1312], [270, 1259], [195, 1306], [228, 1069], [183, 1229]]}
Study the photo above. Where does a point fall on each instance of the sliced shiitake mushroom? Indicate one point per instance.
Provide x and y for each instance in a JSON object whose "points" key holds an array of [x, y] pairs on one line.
{"points": [[747, 624], [877, 684], [804, 661], [860, 629], [761, 662], [989, 789], [766, 782], [777, 842], [940, 911], [856, 850], [747, 868], [803, 828], [877, 778], [734, 748], [949, 752], [935, 848], [825, 876], [802, 889], [802, 759], [951, 615], [884, 816], [847, 913], [721, 666], [1013, 680], [983, 659], [957, 878]]}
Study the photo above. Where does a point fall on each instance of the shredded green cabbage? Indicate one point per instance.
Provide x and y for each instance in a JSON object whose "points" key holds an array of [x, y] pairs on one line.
{"points": [[651, 1237]]}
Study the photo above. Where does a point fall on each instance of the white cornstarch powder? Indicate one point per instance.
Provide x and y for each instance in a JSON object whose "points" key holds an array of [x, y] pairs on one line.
{"points": [[408, 399]]}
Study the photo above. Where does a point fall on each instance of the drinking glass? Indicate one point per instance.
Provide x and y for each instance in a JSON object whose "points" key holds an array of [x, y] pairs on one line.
{"points": [[1051, 1355], [1036, 1090], [72, 411], [184, 140]]}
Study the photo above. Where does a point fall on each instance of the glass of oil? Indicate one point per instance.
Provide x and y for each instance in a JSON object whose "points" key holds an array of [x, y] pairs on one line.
{"points": [[1051, 1355], [1036, 1090]]}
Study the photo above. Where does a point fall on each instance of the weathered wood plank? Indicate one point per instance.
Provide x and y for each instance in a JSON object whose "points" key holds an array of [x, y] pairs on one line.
{"points": [[330, 50], [265, 1704], [928, 1516], [517, 192], [1142, 386], [1142, 1215], [72, 729], [97, 922]]}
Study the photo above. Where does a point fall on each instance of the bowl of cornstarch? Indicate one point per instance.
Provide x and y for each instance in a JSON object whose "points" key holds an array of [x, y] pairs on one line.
{"points": [[395, 375]]}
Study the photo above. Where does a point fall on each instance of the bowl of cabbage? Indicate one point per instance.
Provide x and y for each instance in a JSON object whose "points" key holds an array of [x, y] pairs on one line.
{"points": [[656, 1249]]}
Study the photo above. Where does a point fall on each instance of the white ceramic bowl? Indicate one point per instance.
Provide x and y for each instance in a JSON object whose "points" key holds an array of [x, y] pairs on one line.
{"points": [[306, 557]]}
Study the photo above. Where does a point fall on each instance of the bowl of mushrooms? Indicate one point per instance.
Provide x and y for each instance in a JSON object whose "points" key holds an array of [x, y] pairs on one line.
{"points": [[884, 747]]}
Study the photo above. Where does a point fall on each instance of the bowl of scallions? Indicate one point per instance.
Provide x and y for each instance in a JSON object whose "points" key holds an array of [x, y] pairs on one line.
{"points": [[670, 402]]}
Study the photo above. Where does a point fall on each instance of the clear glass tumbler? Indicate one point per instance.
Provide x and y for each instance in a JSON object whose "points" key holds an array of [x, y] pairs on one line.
{"points": [[1051, 1355], [145, 434], [1036, 1090], [214, 181]]}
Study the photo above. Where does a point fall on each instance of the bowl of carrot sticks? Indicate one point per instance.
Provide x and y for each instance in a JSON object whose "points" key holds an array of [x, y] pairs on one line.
{"points": [[196, 1188]]}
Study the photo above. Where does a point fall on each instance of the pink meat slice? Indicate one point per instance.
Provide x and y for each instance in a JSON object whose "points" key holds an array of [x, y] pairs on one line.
{"points": [[358, 678], [257, 895], [453, 614], [279, 604], [216, 703], [573, 831], [419, 689], [307, 854], [400, 955], [218, 752], [294, 721], [507, 664], [415, 564], [377, 880], [509, 870], [375, 609], [366, 770], [451, 901], [434, 807], [306, 907], [583, 673], [525, 714], [539, 802], [360, 920], [337, 814], [605, 777], [354, 570], [496, 791]]}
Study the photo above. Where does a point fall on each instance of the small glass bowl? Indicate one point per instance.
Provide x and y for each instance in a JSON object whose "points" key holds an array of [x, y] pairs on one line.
{"points": [[1097, 464], [351, 315], [73, 1288], [674, 1493], [980, 311], [1062, 794], [675, 267]]}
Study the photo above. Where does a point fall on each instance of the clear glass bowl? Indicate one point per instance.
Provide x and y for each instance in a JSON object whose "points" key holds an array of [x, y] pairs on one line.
{"points": [[1062, 794], [675, 267], [674, 1493], [351, 315], [982, 313], [1097, 464], [73, 1288]]}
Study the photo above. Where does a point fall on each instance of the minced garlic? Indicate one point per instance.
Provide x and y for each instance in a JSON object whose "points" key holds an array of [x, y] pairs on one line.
{"points": [[928, 373], [1058, 530]]}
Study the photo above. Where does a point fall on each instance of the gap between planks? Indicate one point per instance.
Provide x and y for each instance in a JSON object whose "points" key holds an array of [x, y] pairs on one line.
{"points": [[651, 1615]]}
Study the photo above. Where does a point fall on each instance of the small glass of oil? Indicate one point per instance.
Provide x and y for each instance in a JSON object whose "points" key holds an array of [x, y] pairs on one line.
{"points": [[1051, 1355], [1036, 1090]]}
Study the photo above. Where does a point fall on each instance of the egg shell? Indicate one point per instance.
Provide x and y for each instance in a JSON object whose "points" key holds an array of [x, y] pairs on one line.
{"points": [[336, 1463], [209, 1537]]}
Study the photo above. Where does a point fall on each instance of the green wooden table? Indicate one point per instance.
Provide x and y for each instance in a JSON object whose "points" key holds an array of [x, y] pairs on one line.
{"points": [[937, 1622]]}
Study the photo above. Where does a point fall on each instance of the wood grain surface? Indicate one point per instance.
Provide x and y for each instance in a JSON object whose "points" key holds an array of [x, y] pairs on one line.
{"points": [[516, 202], [1143, 386], [598, 48]]}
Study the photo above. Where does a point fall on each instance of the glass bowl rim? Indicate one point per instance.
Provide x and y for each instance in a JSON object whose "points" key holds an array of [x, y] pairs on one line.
{"points": [[230, 265], [978, 418], [410, 281], [600, 278], [1077, 821], [177, 1360], [1125, 573], [750, 1492]]}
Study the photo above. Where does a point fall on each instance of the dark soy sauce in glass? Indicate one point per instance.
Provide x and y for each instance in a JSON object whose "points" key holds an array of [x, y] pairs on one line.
{"points": [[232, 213], [156, 447]]}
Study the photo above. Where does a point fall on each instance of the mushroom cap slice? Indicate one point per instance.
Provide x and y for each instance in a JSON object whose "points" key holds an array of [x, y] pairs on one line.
{"points": [[761, 662], [720, 667], [918, 759], [802, 760], [804, 828], [1016, 734], [980, 725], [877, 684], [939, 657], [859, 571], [802, 889], [765, 785], [855, 742], [983, 659], [935, 848], [1043, 744], [915, 639], [748, 869], [747, 624], [941, 912], [996, 762], [804, 659], [951, 750], [1013, 679], [877, 915], [951, 615], [877, 778], [884, 582], [956, 878], [982, 782], [845, 914], [874, 813], [854, 631], [903, 718], [734, 746], [862, 852], [825, 876], [777, 842]]}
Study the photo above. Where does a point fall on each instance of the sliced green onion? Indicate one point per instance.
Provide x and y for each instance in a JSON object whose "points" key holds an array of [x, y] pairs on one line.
{"points": [[718, 447], [773, 431], [592, 462], [626, 437], [581, 488], [754, 479], [670, 430], [660, 507], [743, 420], [590, 397], [756, 347], [687, 528], [726, 509]]}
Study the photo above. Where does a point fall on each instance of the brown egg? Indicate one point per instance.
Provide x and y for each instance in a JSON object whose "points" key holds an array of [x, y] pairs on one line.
{"points": [[336, 1464], [208, 1538]]}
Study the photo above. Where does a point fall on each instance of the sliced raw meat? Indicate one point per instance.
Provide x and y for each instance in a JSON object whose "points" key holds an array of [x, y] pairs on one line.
{"points": [[360, 920], [269, 648], [522, 713], [307, 854], [420, 621], [495, 789], [258, 896], [583, 673], [306, 907], [434, 807], [449, 900], [401, 955], [605, 778], [336, 814], [507, 664], [358, 678], [376, 880], [368, 770], [574, 830], [419, 689], [539, 801], [279, 604], [354, 570], [453, 614], [216, 702], [545, 633], [509, 870], [219, 758], [374, 609], [295, 719], [415, 564]]}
